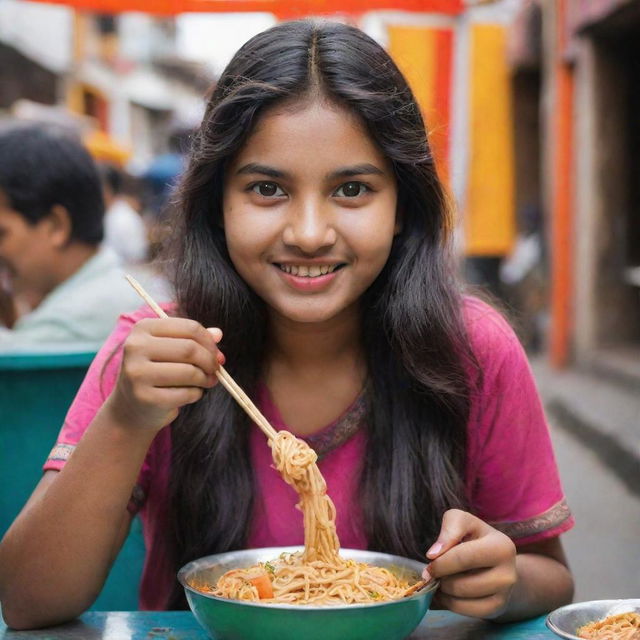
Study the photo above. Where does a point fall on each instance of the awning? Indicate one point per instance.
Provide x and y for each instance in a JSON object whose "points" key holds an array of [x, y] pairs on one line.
{"points": [[281, 8]]}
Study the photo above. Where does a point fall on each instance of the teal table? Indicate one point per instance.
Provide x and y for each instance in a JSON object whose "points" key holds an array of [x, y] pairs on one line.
{"points": [[181, 625]]}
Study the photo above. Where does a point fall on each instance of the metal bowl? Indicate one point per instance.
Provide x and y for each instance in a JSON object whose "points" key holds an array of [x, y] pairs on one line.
{"points": [[566, 621], [227, 619]]}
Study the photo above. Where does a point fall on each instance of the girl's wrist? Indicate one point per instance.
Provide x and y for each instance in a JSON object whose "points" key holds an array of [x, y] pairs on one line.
{"points": [[119, 427]]}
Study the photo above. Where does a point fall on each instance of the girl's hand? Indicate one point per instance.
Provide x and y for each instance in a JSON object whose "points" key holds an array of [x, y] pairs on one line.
{"points": [[476, 566], [167, 363]]}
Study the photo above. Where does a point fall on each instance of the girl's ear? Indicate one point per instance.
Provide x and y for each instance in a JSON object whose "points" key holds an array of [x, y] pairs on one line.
{"points": [[59, 222]]}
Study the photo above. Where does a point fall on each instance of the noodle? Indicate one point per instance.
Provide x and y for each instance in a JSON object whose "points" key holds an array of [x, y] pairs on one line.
{"points": [[318, 575], [623, 626]]}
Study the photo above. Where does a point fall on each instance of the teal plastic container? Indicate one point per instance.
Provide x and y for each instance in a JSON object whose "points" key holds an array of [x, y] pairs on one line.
{"points": [[36, 390]]}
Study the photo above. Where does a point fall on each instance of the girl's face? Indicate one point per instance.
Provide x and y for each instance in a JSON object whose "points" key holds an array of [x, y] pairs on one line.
{"points": [[309, 210]]}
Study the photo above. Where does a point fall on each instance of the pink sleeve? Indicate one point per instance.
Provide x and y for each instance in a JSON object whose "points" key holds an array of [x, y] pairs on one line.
{"points": [[512, 477], [94, 390]]}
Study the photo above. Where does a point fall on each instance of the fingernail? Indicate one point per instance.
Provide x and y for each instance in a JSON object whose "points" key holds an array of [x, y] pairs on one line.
{"points": [[425, 574], [221, 358], [435, 549], [216, 333]]}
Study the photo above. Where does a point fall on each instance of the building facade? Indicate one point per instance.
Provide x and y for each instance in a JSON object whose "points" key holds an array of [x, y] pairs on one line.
{"points": [[591, 155], [117, 79]]}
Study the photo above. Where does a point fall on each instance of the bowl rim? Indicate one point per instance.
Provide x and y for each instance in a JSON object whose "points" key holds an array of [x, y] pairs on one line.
{"points": [[417, 566], [580, 605]]}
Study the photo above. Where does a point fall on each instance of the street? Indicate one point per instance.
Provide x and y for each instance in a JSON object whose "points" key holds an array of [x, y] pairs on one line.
{"points": [[604, 546]]}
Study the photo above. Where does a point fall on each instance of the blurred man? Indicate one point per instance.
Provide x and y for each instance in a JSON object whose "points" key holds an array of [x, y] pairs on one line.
{"points": [[58, 285], [124, 229]]}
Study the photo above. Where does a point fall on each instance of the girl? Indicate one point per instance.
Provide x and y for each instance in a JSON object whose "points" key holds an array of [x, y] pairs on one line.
{"points": [[311, 229]]}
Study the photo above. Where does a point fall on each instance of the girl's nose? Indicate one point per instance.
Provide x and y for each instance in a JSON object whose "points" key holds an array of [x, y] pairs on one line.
{"points": [[310, 228]]}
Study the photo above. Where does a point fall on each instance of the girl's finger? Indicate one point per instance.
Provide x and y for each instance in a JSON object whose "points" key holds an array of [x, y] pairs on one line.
{"points": [[182, 350], [172, 374], [216, 333], [484, 552], [175, 396], [190, 331], [456, 526], [178, 328], [478, 584], [217, 336]]}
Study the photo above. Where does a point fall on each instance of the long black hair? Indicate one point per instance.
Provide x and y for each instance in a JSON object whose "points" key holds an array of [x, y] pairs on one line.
{"points": [[418, 394]]}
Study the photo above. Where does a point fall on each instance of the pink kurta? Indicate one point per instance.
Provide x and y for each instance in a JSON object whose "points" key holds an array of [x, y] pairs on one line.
{"points": [[511, 475]]}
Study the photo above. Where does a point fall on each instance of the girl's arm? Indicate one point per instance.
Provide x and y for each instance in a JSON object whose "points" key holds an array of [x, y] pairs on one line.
{"points": [[545, 581], [55, 557], [483, 575]]}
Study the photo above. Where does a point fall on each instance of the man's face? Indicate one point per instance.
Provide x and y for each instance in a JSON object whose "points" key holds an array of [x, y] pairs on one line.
{"points": [[26, 250]]}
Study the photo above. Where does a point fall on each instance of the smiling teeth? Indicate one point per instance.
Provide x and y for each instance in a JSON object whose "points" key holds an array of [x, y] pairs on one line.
{"points": [[304, 271]]}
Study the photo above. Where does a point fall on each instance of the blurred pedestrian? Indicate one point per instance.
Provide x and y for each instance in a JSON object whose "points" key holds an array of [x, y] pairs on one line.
{"points": [[160, 178], [524, 279], [124, 229], [51, 227]]}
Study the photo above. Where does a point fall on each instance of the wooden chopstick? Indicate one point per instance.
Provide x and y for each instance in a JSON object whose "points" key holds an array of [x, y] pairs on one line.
{"points": [[226, 380], [415, 587]]}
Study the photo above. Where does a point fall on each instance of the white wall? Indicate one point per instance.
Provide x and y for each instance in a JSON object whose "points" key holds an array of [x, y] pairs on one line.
{"points": [[213, 38]]}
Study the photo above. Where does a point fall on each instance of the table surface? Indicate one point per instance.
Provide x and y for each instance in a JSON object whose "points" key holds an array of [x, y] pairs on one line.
{"points": [[181, 625]]}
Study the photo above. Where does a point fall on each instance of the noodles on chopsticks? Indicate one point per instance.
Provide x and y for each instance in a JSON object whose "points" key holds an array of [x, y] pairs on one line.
{"points": [[318, 575], [623, 626]]}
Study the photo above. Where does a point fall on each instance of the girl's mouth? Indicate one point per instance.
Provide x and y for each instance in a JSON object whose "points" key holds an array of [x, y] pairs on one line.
{"points": [[309, 278], [309, 271]]}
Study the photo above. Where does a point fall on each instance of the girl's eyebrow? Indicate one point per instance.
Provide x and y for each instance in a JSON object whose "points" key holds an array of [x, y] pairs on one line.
{"points": [[254, 167], [344, 172], [356, 170]]}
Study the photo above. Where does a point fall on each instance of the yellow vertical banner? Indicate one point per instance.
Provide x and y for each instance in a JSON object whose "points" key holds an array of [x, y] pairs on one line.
{"points": [[413, 50], [424, 55], [490, 202]]}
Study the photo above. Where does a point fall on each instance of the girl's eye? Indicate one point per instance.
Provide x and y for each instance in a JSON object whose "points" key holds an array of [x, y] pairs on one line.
{"points": [[351, 190], [267, 189]]}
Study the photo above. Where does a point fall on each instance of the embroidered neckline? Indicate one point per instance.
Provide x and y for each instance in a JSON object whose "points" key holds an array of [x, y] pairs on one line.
{"points": [[336, 433]]}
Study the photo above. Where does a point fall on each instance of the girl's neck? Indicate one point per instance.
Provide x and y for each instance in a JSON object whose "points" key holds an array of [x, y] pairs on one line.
{"points": [[308, 348], [314, 372]]}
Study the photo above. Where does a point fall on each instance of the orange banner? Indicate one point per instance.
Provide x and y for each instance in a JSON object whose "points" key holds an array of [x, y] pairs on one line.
{"points": [[562, 232], [281, 8]]}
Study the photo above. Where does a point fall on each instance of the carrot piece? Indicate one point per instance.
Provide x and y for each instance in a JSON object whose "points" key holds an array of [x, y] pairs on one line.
{"points": [[263, 584]]}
